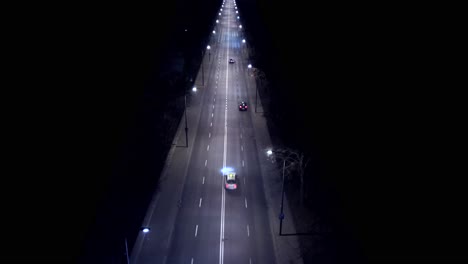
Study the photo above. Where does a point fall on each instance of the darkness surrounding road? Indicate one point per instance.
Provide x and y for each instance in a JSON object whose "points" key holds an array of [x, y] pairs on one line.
{"points": [[370, 90]]}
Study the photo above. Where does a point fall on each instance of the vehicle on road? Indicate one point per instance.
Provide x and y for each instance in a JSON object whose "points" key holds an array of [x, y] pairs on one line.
{"points": [[230, 181], [243, 106], [231, 61]]}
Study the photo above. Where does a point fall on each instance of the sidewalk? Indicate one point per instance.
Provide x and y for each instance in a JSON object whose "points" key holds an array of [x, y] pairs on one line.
{"points": [[169, 188]]}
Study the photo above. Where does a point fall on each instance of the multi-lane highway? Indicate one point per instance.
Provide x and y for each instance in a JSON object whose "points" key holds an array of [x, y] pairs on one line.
{"points": [[194, 219]]}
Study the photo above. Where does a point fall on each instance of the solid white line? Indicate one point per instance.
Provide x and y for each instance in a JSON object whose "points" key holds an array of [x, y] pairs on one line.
{"points": [[199, 204], [206, 162], [248, 232], [191, 262], [196, 230], [245, 202], [203, 182], [208, 148], [223, 191]]}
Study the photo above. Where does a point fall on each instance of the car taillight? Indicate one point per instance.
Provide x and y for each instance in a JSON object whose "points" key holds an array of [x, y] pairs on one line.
{"points": [[227, 185], [245, 106], [235, 186]]}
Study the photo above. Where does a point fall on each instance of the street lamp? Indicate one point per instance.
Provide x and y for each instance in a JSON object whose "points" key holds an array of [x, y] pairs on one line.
{"points": [[260, 75], [281, 215], [194, 89], [256, 89], [297, 160], [202, 60]]}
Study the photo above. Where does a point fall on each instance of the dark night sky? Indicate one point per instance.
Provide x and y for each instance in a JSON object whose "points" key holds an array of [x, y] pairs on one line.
{"points": [[363, 86]]}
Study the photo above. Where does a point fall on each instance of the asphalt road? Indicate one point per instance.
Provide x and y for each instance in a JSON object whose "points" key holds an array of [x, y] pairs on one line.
{"points": [[211, 224]]}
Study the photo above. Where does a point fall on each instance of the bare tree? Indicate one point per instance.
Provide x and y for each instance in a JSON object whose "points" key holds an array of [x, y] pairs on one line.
{"points": [[293, 161]]}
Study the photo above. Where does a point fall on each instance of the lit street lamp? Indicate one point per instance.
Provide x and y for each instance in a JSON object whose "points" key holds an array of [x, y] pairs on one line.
{"points": [[194, 89], [258, 75], [295, 159]]}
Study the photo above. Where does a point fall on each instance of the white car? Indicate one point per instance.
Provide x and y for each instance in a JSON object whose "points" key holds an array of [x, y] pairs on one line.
{"points": [[230, 181]]}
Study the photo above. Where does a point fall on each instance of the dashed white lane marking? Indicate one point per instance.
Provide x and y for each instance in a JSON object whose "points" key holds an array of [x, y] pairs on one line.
{"points": [[206, 162], [199, 204], [242, 163], [209, 134], [241, 135], [245, 202], [208, 148], [248, 232], [242, 148], [244, 180], [196, 230], [213, 106], [212, 114], [191, 262], [250, 261], [203, 182], [214, 99], [211, 124]]}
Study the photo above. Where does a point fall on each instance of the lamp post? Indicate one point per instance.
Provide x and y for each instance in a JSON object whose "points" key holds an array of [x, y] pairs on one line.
{"points": [[202, 60], [281, 215], [185, 114], [194, 89], [295, 159], [202, 72], [258, 75], [256, 88]]}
